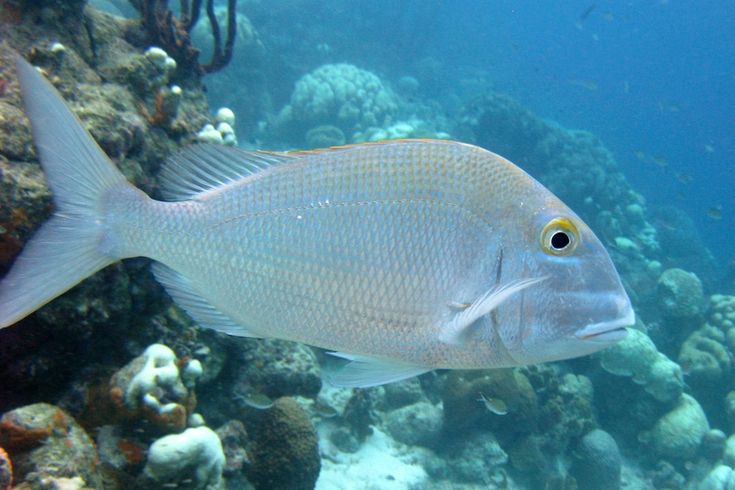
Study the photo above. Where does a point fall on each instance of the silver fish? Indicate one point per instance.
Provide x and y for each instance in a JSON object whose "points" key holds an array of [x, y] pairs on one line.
{"points": [[401, 257], [256, 400], [493, 405]]}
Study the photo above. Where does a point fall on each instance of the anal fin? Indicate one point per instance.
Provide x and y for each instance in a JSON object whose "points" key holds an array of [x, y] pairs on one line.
{"points": [[364, 371], [185, 294]]}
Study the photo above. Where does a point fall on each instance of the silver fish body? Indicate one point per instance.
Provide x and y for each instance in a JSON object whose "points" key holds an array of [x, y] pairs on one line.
{"points": [[403, 256]]}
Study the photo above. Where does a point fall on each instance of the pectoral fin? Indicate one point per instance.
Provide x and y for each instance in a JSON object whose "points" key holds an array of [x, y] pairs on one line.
{"points": [[458, 328], [363, 371]]}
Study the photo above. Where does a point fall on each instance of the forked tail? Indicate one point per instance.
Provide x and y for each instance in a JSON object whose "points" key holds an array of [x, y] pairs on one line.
{"points": [[73, 243]]}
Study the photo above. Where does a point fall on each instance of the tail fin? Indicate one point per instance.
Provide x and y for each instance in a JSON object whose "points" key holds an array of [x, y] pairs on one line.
{"points": [[67, 248]]}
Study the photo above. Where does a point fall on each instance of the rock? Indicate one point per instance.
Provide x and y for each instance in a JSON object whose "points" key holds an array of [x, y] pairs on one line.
{"points": [[344, 440], [478, 459], [417, 424], [276, 368], [46, 443], [678, 434], [403, 393], [285, 449], [234, 439], [6, 470], [597, 462]]}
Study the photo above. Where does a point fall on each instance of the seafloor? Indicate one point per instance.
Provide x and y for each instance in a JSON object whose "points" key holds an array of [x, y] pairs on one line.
{"points": [[91, 397]]}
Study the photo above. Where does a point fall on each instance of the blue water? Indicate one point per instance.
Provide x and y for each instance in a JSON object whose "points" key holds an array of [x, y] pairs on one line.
{"points": [[664, 84], [655, 81]]}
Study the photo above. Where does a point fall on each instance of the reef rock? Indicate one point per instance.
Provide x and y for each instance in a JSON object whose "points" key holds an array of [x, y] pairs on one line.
{"points": [[47, 444], [417, 424], [275, 368]]}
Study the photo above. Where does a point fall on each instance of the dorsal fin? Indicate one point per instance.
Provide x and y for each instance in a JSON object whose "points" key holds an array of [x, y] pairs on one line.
{"points": [[197, 169]]}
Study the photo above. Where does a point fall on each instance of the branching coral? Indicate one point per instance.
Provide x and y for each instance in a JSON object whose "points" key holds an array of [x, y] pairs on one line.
{"points": [[173, 34]]}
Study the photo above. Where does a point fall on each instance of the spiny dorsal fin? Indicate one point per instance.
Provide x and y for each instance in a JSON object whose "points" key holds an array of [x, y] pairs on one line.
{"points": [[200, 168]]}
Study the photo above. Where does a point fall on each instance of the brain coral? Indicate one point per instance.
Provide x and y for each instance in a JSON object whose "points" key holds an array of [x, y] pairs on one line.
{"points": [[340, 95], [285, 453]]}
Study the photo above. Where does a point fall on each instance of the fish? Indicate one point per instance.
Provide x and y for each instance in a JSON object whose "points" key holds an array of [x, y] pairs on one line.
{"points": [[256, 400], [590, 85], [715, 212], [399, 257], [324, 409], [683, 177], [493, 405]]}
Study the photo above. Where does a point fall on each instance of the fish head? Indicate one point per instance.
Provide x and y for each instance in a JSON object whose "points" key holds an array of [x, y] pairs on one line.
{"points": [[578, 307]]}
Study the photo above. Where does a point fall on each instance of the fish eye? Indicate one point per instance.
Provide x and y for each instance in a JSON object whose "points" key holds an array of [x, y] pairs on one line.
{"points": [[559, 237]]}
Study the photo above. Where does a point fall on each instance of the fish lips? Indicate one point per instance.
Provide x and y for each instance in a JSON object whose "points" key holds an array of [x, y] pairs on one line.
{"points": [[608, 332]]}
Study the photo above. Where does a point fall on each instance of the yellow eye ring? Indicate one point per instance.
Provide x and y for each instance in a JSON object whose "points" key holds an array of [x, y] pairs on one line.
{"points": [[559, 237]]}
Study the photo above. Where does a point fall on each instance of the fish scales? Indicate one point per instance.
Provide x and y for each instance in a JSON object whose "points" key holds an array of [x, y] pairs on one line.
{"points": [[401, 257], [356, 247]]}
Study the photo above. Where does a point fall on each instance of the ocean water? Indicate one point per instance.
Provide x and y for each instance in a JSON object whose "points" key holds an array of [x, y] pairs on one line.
{"points": [[623, 109]]}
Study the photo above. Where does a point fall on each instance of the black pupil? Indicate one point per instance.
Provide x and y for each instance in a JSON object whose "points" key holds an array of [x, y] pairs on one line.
{"points": [[559, 240]]}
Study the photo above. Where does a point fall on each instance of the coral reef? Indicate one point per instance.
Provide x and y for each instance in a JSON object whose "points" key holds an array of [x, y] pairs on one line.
{"points": [[627, 418]]}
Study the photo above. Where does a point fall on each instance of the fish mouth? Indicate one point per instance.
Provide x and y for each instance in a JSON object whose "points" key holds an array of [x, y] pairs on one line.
{"points": [[607, 332]]}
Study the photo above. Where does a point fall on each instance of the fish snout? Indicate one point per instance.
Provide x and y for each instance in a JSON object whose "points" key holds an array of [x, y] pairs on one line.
{"points": [[618, 313]]}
